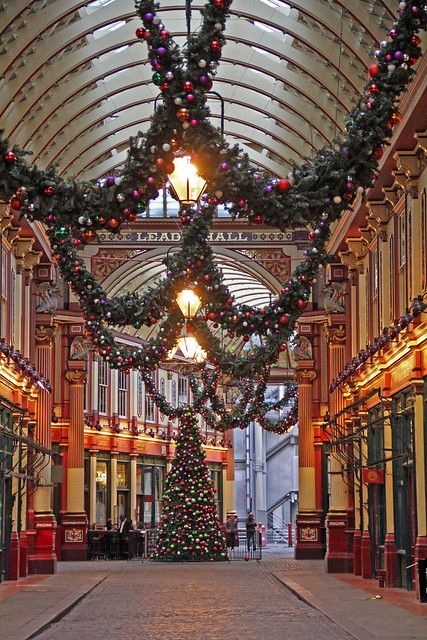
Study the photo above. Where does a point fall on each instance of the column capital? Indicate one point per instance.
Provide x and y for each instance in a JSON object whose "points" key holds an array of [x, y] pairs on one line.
{"points": [[335, 334], [358, 247], [5, 217], [76, 377], [45, 334], [418, 387], [305, 376], [411, 163], [21, 246]]}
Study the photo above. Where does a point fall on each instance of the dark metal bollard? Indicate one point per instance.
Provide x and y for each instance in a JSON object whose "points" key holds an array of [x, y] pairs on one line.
{"points": [[422, 578]]}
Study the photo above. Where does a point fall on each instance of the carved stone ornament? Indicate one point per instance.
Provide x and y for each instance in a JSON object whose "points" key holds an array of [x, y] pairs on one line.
{"points": [[305, 376], [333, 297], [303, 349], [79, 348], [335, 334], [48, 297], [76, 376], [45, 334]]}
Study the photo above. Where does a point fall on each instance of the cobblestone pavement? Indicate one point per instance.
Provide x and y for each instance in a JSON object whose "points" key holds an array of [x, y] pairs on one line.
{"points": [[203, 601]]}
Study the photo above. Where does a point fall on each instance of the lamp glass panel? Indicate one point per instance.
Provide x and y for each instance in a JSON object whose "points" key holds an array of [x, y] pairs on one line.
{"points": [[188, 302], [186, 183]]}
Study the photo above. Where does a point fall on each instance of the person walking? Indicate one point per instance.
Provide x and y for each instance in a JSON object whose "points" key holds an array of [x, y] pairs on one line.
{"points": [[250, 532]]}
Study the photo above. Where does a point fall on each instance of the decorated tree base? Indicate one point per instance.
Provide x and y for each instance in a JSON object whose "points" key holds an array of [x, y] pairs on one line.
{"points": [[190, 528]]}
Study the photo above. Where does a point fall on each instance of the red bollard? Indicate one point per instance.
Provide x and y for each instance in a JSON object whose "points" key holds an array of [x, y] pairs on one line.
{"points": [[289, 534]]}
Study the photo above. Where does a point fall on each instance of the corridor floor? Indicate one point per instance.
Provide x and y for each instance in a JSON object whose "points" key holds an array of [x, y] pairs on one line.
{"points": [[208, 601], [198, 601]]}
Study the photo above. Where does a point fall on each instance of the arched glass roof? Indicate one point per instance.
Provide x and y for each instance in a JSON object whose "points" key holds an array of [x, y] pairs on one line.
{"points": [[75, 83]]}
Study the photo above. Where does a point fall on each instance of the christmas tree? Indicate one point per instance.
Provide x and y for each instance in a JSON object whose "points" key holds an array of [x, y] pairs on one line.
{"points": [[190, 528]]}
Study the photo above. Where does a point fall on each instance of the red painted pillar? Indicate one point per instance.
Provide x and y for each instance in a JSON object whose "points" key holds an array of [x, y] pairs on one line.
{"points": [[309, 522], [74, 520], [43, 556]]}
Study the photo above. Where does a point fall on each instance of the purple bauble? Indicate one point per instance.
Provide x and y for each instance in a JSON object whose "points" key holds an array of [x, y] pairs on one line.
{"points": [[346, 151], [111, 180], [269, 188], [399, 55], [224, 166], [161, 51], [148, 17]]}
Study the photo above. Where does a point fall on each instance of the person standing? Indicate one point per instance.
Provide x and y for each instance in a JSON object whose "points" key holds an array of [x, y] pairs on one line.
{"points": [[250, 532], [124, 527], [231, 530]]}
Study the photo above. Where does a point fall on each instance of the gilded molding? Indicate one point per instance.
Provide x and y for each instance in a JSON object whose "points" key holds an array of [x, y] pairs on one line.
{"points": [[45, 334], [76, 376], [21, 247], [305, 376], [335, 334]]}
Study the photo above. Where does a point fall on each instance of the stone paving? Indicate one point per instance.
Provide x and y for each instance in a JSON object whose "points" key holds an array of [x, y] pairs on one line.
{"points": [[201, 601]]}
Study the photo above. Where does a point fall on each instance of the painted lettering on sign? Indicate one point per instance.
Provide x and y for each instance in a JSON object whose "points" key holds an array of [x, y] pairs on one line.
{"points": [[214, 236]]}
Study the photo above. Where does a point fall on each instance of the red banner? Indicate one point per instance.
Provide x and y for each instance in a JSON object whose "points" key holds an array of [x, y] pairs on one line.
{"points": [[373, 476]]}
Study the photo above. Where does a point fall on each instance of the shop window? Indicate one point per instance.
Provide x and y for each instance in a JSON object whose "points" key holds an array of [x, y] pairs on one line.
{"points": [[376, 490], [404, 486], [123, 384], [122, 475], [392, 281], [152, 482], [87, 486], [102, 385], [173, 393], [122, 483], [215, 471], [182, 391], [149, 408], [101, 492], [402, 257]]}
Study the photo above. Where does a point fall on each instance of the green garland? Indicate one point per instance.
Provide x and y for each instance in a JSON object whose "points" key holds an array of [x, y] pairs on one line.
{"points": [[315, 195]]}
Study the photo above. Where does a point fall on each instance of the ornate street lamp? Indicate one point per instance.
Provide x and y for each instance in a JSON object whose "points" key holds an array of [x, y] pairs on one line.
{"points": [[185, 183], [189, 303]]}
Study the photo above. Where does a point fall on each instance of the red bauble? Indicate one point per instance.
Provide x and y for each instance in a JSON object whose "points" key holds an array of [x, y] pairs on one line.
{"points": [[113, 223], [140, 33], [301, 304], [9, 156], [373, 89], [283, 347], [378, 153], [165, 35], [374, 70], [257, 220], [164, 87], [188, 86], [48, 191], [15, 203], [219, 4], [216, 46], [283, 319], [160, 162], [131, 216], [212, 315], [284, 185]]}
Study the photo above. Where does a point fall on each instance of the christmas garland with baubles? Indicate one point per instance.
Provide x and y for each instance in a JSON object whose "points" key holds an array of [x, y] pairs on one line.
{"points": [[314, 195]]}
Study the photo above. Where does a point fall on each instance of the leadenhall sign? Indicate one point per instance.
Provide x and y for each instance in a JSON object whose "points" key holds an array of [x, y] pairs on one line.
{"points": [[216, 237]]}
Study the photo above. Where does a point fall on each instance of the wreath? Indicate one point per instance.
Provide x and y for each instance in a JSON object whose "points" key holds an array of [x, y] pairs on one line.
{"points": [[316, 194]]}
